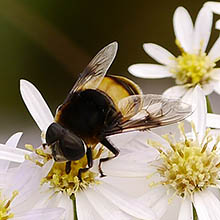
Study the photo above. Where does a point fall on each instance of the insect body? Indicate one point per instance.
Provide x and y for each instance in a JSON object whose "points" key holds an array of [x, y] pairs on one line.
{"points": [[99, 106]]}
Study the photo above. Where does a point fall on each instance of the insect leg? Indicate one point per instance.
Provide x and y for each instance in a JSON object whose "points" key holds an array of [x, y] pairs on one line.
{"points": [[89, 161], [68, 167], [114, 150], [44, 145]]}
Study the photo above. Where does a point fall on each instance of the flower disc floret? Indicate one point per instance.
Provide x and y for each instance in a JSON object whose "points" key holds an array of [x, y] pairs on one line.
{"points": [[192, 68], [57, 177], [69, 183], [189, 166]]}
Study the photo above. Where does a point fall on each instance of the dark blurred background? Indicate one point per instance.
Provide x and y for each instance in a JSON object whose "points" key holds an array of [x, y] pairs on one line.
{"points": [[50, 42]]}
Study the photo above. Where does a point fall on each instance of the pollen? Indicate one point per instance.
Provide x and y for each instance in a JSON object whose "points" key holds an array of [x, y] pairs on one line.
{"points": [[70, 183], [189, 166], [191, 69], [5, 206]]}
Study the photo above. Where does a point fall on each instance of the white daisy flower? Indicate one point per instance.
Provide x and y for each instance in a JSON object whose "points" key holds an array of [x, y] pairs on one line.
{"points": [[93, 197], [183, 174], [14, 191], [194, 66]]}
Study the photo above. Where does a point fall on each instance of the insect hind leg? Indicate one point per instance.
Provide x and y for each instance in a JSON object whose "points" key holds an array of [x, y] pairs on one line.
{"points": [[114, 150]]}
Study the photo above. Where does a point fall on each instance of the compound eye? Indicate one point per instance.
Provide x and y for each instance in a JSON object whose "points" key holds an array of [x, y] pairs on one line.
{"points": [[73, 147], [54, 133]]}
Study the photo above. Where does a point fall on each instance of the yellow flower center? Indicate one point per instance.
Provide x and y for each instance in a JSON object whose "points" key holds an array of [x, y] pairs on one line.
{"points": [[192, 69], [5, 206], [189, 166], [59, 180]]}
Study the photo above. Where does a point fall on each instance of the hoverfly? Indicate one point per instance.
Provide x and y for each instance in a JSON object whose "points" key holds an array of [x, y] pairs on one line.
{"points": [[99, 106]]}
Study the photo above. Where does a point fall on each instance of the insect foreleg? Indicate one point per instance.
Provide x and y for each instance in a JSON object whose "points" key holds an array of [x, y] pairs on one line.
{"points": [[89, 161], [114, 150], [68, 167]]}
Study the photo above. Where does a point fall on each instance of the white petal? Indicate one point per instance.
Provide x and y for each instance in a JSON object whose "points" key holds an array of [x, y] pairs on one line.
{"points": [[209, 87], [186, 212], [175, 92], [212, 204], [69, 211], [215, 74], [51, 198], [67, 204], [26, 201], [150, 71], [4, 179], [85, 211], [104, 207], [217, 25], [214, 53], [183, 28], [142, 156], [43, 214], [14, 139], [160, 54], [28, 175], [157, 199], [138, 142], [199, 114], [36, 105], [217, 87], [122, 201], [172, 209], [203, 26], [161, 206], [188, 96], [200, 206], [126, 185], [126, 168], [213, 6], [129, 139], [166, 129], [207, 205], [213, 120], [11, 142], [12, 154]]}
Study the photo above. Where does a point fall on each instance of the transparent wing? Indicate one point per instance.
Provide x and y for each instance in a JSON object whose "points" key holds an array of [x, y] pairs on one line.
{"points": [[141, 112], [93, 74], [131, 105]]}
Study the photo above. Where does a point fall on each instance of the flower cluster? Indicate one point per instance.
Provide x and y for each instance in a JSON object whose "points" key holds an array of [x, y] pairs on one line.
{"points": [[170, 172]]}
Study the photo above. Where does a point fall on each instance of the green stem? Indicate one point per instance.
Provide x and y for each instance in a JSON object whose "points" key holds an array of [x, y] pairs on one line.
{"points": [[195, 216], [209, 107], [73, 197]]}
